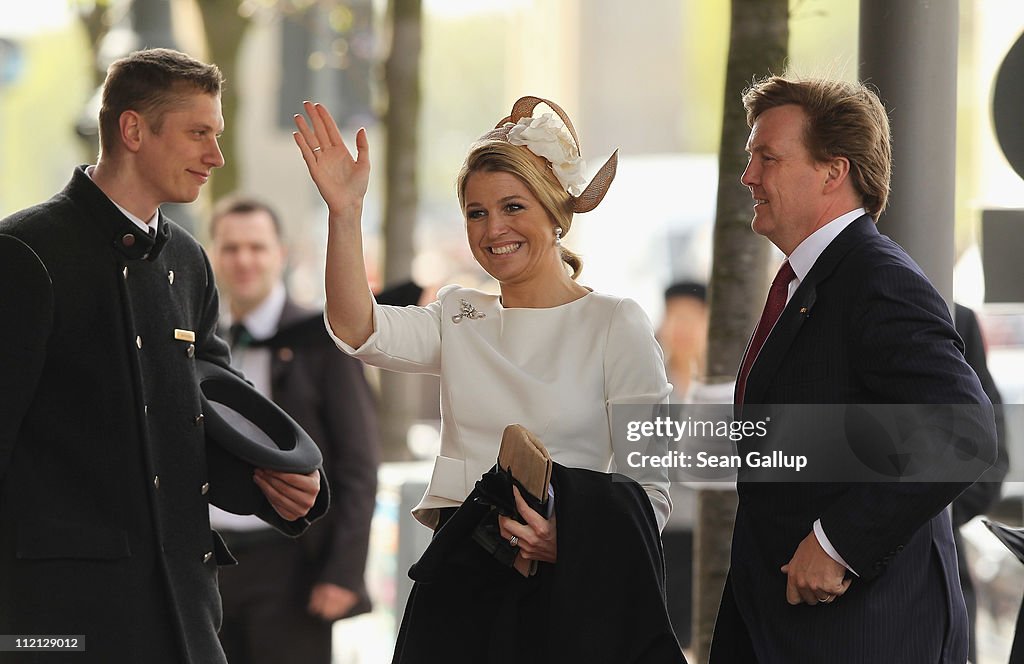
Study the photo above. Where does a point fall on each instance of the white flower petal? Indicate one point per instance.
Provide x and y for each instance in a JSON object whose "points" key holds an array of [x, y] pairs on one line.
{"points": [[546, 136]]}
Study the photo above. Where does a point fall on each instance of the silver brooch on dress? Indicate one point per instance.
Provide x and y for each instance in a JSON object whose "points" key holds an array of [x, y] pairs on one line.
{"points": [[467, 310]]}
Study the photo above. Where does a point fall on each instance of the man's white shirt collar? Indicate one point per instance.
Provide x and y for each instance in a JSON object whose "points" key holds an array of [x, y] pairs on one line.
{"points": [[144, 225], [806, 254], [262, 321]]}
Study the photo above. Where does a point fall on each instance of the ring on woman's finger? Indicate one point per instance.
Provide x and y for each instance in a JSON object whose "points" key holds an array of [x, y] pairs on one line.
{"points": [[826, 599], [513, 541], [317, 148]]}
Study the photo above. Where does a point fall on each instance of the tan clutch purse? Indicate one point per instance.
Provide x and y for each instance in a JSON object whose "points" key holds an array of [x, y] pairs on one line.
{"points": [[525, 458]]}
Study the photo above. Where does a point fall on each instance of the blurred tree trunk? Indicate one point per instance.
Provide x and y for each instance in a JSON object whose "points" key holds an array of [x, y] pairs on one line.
{"points": [[225, 28], [95, 18], [399, 392], [758, 45]]}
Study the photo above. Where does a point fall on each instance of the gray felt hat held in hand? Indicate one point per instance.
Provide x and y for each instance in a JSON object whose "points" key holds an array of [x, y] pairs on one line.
{"points": [[244, 431]]}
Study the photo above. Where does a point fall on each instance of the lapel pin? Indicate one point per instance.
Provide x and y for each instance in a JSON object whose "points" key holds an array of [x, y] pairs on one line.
{"points": [[185, 335], [170, 277]]}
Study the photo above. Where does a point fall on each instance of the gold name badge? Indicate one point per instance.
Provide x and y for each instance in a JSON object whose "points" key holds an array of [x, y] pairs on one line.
{"points": [[185, 335]]}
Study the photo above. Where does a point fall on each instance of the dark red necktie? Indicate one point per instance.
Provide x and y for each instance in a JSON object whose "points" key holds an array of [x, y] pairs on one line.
{"points": [[773, 307]]}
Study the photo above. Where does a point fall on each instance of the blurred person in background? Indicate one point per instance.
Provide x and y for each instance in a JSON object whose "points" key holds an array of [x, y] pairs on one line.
{"points": [[984, 493], [547, 353], [282, 598], [104, 491], [684, 336]]}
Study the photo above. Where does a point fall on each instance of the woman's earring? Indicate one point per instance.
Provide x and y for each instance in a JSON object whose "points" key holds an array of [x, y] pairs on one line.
{"points": [[558, 236]]}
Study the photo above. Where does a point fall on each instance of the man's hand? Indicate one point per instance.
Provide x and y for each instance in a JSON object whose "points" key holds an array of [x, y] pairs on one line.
{"points": [[331, 602], [813, 576], [290, 494]]}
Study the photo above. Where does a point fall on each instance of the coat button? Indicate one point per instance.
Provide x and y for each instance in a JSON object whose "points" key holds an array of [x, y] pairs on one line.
{"points": [[198, 420], [205, 489], [191, 351], [156, 482], [125, 272], [138, 342], [207, 556], [170, 276], [128, 240]]}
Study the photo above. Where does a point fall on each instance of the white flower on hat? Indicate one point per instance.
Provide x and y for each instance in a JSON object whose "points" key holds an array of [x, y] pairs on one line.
{"points": [[546, 136]]}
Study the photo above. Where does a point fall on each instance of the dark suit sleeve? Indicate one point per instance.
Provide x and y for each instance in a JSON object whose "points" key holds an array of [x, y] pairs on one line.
{"points": [[26, 313], [906, 352], [350, 422], [981, 495]]}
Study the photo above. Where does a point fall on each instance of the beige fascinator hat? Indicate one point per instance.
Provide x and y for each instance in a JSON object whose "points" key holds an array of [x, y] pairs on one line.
{"points": [[557, 143]]}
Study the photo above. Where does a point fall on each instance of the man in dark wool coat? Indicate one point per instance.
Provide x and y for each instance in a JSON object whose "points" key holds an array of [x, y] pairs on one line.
{"points": [[106, 305]]}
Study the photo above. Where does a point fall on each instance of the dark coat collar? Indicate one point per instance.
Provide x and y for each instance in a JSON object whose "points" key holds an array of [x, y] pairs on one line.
{"points": [[123, 234], [293, 313], [299, 327], [296, 326], [801, 305]]}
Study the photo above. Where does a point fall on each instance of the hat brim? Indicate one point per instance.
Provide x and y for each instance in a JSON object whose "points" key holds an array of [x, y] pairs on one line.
{"points": [[1013, 538], [246, 430]]}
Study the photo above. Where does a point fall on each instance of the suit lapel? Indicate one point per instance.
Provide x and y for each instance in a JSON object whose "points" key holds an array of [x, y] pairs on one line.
{"points": [[292, 313], [778, 342], [800, 308], [281, 358]]}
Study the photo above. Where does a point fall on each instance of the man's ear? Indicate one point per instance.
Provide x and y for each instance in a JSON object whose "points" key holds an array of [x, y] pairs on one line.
{"points": [[836, 172], [130, 125]]}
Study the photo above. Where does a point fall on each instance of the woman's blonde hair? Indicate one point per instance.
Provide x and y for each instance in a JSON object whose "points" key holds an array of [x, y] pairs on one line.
{"points": [[497, 156]]}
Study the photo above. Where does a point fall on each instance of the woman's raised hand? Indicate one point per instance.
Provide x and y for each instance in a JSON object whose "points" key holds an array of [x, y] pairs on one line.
{"points": [[342, 180]]}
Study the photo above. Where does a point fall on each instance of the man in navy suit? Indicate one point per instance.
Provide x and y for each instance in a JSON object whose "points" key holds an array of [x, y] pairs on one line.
{"points": [[842, 571]]}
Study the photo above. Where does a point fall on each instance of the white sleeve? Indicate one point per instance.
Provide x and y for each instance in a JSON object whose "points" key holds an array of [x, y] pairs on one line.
{"points": [[635, 375], [406, 339], [823, 540]]}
